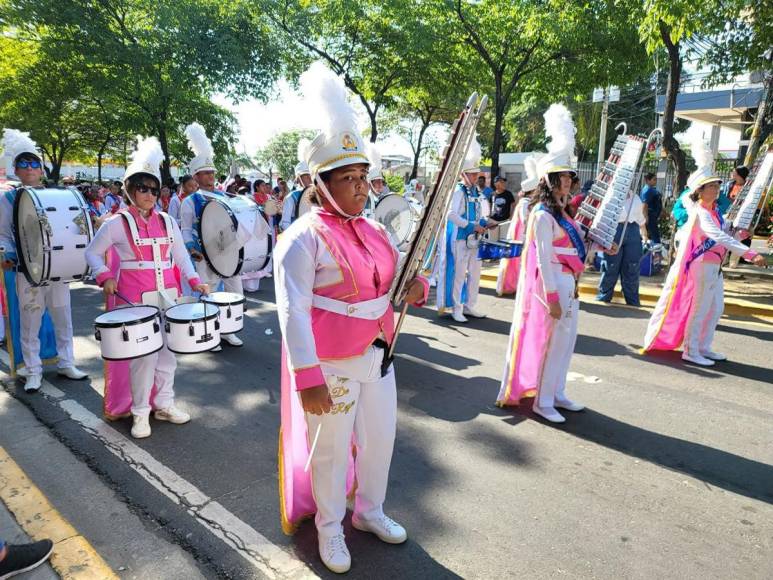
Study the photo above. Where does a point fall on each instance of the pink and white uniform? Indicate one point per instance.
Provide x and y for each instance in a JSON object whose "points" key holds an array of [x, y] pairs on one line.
{"points": [[507, 280], [692, 301], [145, 256], [332, 278]]}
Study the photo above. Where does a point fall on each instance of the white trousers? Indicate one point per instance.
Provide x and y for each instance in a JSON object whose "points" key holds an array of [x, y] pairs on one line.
{"points": [[232, 284], [466, 267], [33, 301], [155, 368], [364, 403], [561, 345], [707, 307]]}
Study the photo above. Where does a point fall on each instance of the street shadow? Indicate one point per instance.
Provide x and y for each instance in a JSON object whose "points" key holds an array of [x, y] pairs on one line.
{"points": [[422, 347], [615, 310], [761, 334], [713, 466], [673, 359]]}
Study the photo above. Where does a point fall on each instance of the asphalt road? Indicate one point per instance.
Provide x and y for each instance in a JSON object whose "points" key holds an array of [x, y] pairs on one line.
{"points": [[667, 474]]}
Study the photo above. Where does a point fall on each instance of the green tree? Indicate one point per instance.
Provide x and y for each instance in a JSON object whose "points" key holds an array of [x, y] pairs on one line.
{"points": [[281, 152]]}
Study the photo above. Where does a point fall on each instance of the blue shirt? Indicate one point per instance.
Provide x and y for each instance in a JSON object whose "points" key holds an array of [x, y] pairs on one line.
{"points": [[654, 200]]}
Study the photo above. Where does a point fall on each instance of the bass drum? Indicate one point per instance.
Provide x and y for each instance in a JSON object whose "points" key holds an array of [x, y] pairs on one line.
{"points": [[51, 223], [225, 231], [399, 217]]}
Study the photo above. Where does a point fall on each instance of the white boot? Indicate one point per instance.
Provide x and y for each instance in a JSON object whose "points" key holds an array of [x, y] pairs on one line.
{"points": [[710, 354], [569, 405], [232, 339], [548, 413], [335, 554], [33, 382], [469, 311], [698, 360], [141, 426], [458, 316], [384, 527], [73, 373]]}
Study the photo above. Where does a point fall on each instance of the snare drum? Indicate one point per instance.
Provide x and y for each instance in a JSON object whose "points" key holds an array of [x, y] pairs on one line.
{"points": [[129, 332], [51, 223], [399, 217], [231, 306], [192, 328], [490, 250], [225, 231]]}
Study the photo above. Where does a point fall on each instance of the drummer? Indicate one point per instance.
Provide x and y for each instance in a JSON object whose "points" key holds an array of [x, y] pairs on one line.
{"points": [[293, 205], [136, 281], [202, 167], [378, 187], [33, 301]]}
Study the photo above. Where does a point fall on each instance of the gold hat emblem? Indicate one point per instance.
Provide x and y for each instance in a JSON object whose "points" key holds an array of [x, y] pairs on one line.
{"points": [[348, 142]]}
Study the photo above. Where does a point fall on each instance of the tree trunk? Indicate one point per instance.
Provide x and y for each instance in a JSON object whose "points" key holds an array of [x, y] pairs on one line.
{"points": [[425, 122], [163, 139], [761, 127], [670, 144], [499, 117], [100, 155], [373, 125]]}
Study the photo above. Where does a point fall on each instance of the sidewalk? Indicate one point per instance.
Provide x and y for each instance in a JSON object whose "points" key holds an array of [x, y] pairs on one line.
{"points": [[48, 492], [748, 290]]}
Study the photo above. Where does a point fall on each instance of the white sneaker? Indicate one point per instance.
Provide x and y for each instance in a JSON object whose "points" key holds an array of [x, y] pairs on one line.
{"points": [[335, 554], [33, 382], [549, 413], [698, 360], [232, 339], [474, 313], [23, 372], [141, 426], [73, 373], [458, 316], [218, 348], [569, 405], [384, 527], [173, 415], [718, 356]]}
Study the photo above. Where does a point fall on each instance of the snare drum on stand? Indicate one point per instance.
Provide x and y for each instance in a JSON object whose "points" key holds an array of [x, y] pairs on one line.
{"points": [[231, 306], [52, 229], [192, 328], [129, 332], [225, 230]]}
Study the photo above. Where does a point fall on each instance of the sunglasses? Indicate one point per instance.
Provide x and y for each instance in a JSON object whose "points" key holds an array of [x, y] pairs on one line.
{"points": [[148, 189], [28, 164]]}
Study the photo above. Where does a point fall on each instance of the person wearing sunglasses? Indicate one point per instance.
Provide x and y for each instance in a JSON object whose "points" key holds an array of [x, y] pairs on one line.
{"points": [[130, 275], [34, 301]]}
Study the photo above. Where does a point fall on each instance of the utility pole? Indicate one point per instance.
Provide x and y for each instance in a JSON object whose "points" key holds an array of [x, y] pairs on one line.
{"points": [[603, 132]]}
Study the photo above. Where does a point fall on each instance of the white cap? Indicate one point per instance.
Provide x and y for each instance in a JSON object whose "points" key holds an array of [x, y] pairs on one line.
{"points": [[530, 182], [203, 153], [472, 159], [704, 174], [16, 143], [146, 159], [339, 143], [560, 128]]}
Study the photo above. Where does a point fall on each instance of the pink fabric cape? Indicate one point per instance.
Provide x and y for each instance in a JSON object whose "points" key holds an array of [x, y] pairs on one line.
{"points": [[507, 280], [668, 323], [296, 500], [530, 332]]}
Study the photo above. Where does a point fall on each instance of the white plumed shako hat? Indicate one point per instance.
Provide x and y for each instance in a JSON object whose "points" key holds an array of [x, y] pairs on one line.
{"points": [[302, 168], [530, 182], [374, 155], [147, 158], [559, 127], [16, 143], [704, 159], [339, 143], [203, 153], [472, 158]]}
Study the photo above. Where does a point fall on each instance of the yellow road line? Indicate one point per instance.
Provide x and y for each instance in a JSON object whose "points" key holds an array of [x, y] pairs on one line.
{"points": [[74, 558]]}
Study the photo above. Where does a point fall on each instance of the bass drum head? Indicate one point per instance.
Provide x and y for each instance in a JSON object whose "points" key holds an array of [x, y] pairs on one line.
{"points": [[30, 237], [218, 239], [394, 212]]}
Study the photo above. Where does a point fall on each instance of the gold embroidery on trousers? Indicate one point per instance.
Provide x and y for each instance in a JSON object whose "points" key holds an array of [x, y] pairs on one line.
{"points": [[343, 408], [338, 391]]}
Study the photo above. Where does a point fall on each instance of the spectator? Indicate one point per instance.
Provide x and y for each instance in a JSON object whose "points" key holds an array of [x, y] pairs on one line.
{"points": [[188, 185], [165, 198], [577, 200], [113, 198], [502, 201], [653, 206], [262, 192], [483, 188], [24, 557], [737, 180]]}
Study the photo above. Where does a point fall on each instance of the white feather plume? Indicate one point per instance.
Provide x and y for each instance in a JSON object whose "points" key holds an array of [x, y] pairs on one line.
{"points": [[530, 165], [474, 153], [15, 143], [700, 149], [559, 127], [373, 152], [325, 92], [198, 141], [303, 147], [148, 151]]}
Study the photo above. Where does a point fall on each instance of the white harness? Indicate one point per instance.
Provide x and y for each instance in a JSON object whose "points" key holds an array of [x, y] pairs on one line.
{"points": [[367, 309]]}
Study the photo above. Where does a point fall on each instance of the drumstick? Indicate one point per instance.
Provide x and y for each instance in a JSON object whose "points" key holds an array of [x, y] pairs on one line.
{"points": [[122, 297], [313, 447]]}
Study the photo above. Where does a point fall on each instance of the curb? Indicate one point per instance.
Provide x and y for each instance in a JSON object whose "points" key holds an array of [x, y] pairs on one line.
{"points": [[733, 306], [73, 558]]}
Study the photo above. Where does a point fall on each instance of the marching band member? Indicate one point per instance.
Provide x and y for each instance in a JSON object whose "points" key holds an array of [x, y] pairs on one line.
{"points": [[544, 328], [458, 263], [188, 186], [333, 274], [133, 234], [295, 204], [507, 280], [692, 301], [113, 199], [202, 167], [377, 186], [34, 301]]}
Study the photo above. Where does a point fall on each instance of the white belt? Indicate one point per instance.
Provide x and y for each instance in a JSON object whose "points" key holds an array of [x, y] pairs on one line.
{"points": [[565, 251], [367, 309], [146, 265]]}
